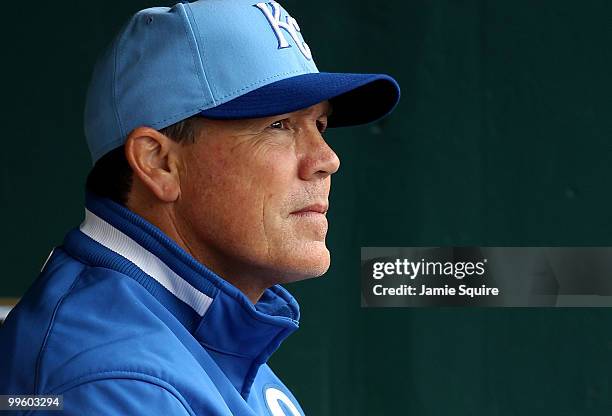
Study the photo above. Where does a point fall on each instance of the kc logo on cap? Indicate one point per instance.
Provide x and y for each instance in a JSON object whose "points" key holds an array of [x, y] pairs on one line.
{"points": [[290, 25]]}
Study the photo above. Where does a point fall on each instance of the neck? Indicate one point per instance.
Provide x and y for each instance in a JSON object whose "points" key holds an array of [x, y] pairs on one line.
{"points": [[245, 279]]}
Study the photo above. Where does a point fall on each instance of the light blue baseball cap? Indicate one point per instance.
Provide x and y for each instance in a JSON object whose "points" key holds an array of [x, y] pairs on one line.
{"points": [[222, 59]]}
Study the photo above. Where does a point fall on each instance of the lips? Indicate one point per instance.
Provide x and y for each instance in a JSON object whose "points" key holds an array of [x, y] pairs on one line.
{"points": [[318, 208]]}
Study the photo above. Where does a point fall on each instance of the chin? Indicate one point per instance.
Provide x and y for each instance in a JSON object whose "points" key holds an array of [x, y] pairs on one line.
{"points": [[306, 264]]}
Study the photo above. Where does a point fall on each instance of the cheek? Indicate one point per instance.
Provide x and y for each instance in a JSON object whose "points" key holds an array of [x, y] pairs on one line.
{"points": [[238, 202], [239, 208], [221, 187]]}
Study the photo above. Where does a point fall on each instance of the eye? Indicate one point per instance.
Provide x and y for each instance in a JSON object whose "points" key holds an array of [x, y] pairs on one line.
{"points": [[279, 124]]}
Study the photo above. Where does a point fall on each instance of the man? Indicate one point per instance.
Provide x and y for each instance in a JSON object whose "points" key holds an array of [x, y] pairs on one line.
{"points": [[210, 187]]}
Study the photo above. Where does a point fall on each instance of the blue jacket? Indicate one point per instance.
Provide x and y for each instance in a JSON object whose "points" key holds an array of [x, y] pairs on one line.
{"points": [[122, 321]]}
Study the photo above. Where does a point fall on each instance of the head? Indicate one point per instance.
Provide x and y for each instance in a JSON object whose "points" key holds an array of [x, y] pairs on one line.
{"points": [[248, 195], [248, 198]]}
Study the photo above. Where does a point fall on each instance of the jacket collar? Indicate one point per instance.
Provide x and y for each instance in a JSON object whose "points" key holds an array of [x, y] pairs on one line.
{"points": [[240, 335]]}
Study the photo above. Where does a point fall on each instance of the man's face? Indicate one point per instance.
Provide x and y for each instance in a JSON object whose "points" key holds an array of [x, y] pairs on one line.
{"points": [[254, 195]]}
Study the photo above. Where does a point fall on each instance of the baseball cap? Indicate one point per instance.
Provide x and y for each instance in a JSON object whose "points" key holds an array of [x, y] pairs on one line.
{"points": [[222, 59]]}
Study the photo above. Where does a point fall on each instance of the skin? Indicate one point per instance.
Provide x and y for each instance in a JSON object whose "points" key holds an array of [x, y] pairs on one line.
{"points": [[248, 199]]}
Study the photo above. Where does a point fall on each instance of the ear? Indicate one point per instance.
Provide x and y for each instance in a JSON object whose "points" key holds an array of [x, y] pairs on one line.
{"points": [[153, 158]]}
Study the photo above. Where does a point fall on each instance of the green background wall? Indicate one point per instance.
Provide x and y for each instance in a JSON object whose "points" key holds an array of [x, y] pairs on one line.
{"points": [[503, 137]]}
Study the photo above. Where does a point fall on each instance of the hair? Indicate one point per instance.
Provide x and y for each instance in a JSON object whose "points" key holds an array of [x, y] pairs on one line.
{"points": [[111, 175]]}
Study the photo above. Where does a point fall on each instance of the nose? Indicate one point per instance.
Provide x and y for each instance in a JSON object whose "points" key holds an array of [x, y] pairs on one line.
{"points": [[318, 160]]}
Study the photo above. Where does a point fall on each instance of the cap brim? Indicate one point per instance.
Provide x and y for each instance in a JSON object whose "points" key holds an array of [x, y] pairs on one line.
{"points": [[355, 98]]}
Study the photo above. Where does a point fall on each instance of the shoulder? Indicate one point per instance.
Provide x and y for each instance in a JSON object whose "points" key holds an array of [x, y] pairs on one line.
{"points": [[109, 322], [78, 320], [117, 394]]}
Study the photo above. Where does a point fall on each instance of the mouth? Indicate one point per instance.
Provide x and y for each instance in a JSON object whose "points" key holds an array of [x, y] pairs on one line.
{"points": [[311, 221], [318, 208]]}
